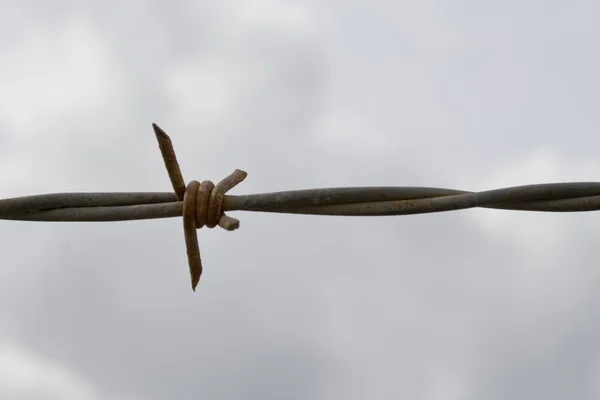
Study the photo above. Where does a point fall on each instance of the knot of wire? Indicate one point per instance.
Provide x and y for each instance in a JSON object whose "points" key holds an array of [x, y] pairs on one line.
{"points": [[202, 202], [205, 204]]}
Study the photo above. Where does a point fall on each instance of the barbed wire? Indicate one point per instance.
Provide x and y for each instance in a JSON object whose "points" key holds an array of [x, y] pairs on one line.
{"points": [[205, 204]]}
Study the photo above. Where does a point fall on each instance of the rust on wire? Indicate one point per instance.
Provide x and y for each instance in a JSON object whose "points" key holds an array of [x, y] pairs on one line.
{"points": [[202, 202], [168, 153], [205, 204]]}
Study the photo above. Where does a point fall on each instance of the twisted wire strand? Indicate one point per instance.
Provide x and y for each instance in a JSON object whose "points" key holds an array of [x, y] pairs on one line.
{"points": [[352, 201], [205, 204]]}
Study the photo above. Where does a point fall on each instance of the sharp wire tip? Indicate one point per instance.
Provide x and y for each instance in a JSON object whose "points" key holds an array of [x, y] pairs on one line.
{"points": [[158, 130]]}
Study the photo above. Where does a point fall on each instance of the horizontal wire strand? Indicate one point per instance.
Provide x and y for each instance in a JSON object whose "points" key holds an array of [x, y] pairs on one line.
{"points": [[357, 201]]}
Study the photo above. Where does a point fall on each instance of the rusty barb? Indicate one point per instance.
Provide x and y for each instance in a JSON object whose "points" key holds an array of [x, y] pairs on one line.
{"points": [[205, 204]]}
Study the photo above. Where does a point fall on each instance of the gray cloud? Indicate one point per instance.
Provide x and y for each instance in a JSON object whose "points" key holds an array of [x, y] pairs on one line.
{"points": [[463, 305]]}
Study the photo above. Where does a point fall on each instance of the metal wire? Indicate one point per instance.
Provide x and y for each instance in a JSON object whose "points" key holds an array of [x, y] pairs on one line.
{"points": [[205, 204]]}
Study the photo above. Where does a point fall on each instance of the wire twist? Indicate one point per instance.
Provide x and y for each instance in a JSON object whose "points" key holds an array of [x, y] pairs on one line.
{"points": [[202, 202]]}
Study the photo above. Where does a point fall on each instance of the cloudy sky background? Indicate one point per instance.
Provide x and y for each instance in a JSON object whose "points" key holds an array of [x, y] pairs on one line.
{"points": [[469, 95]]}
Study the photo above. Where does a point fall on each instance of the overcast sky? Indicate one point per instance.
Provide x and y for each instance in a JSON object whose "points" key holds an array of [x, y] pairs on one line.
{"points": [[473, 95]]}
